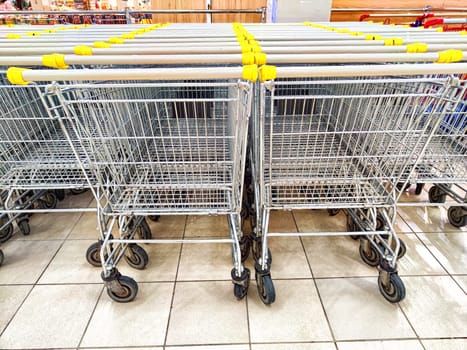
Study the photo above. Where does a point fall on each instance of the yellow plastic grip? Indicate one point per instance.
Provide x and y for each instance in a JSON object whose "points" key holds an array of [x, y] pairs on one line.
{"points": [[54, 60], [75, 27], [15, 76], [373, 37], [440, 29], [33, 34], [248, 58], [115, 40], [250, 72], [128, 36], [13, 36], [49, 31], [357, 34], [62, 28], [463, 32], [83, 50], [267, 73], [101, 45], [260, 58], [417, 48], [449, 56], [393, 42]]}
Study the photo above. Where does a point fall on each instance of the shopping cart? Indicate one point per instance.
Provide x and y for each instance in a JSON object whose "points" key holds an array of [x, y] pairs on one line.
{"points": [[444, 162], [325, 139], [163, 146]]}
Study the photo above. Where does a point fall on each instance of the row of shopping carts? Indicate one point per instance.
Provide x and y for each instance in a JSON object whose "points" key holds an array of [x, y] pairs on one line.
{"points": [[235, 120]]}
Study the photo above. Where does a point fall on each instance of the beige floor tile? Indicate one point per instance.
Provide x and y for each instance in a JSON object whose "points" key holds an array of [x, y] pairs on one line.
{"points": [[336, 256], [319, 221], [162, 266], [51, 317], [411, 197], [449, 248], [70, 265], [168, 226], [210, 347], [205, 262], [356, 310], [207, 313], [381, 345], [86, 228], [11, 298], [445, 344], [282, 221], [142, 322], [440, 298], [462, 281], [289, 259], [401, 226], [49, 226], [294, 346], [207, 226], [428, 219], [295, 316], [126, 348], [26, 260], [418, 260]]}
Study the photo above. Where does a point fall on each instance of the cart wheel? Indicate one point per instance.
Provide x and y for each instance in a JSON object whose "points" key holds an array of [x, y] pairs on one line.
{"points": [[457, 216], [93, 254], [48, 201], [351, 227], [2, 257], [154, 218], [419, 188], [128, 292], [379, 222], [394, 291], [402, 249], [436, 195], [242, 284], [245, 245], [137, 257], [24, 227], [7, 231], [60, 194], [78, 190], [143, 230], [333, 212], [370, 257], [266, 290]]}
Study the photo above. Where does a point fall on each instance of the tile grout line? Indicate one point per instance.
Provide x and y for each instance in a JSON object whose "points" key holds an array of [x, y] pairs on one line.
{"points": [[315, 284], [164, 345], [90, 317]]}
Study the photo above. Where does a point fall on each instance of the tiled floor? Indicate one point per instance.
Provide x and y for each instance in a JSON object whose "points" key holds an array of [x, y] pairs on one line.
{"points": [[326, 297]]}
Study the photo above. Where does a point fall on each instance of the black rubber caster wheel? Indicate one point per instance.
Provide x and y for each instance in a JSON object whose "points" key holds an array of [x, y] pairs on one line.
{"points": [[2, 257], [242, 284], [154, 218], [245, 246], [143, 230], [24, 227], [60, 194], [351, 227], [127, 292], [402, 249], [333, 212], [48, 201], [370, 257], [436, 195], [136, 257], [394, 291], [93, 254], [380, 223], [77, 191], [266, 290], [7, 231], [419, 189], [457, 216]]}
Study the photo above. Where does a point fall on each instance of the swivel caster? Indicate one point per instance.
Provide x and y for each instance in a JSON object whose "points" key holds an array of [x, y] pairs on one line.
{"points": [[122, 289], [7, 231], [266, 290], [93, 254], [241, 284], [393, 290], [457, 216], [136, 257]]}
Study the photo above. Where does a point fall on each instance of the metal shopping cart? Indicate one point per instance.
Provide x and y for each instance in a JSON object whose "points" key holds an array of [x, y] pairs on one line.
{"points": [[163, 146], [342, 137], [444, 164]]}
